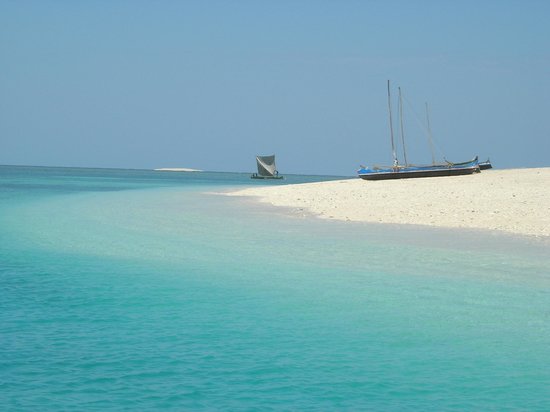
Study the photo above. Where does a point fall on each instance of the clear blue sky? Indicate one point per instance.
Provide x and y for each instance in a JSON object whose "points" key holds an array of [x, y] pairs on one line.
{"points": [[210, 84]]}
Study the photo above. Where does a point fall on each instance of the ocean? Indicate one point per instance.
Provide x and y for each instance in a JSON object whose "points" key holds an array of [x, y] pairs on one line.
{"points": [[143, 290]]}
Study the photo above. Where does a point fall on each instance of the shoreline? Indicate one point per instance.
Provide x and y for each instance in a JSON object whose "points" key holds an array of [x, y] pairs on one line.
{"points": [[515, 201]]}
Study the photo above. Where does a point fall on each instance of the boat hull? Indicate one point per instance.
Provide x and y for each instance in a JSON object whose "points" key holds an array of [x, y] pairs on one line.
{"points": [[254, 176], [405, 173]]}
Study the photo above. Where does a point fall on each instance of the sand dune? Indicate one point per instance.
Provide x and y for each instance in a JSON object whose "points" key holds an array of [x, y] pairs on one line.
{"points": [[512, 200]]}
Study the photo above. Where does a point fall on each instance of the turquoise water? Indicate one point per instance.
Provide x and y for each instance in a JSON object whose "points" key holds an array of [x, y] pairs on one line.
{"points": [[136, 290]]}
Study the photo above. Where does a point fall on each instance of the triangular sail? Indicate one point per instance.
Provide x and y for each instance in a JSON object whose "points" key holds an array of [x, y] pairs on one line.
{"points": [[266, 165]]}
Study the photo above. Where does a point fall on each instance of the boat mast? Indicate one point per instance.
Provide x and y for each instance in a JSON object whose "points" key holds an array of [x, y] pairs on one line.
{"points": [[430, 134], [395, 161], [401, 121]]}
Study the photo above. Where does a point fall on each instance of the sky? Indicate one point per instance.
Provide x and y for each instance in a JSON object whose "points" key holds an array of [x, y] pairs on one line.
{"points": [[211, 84]]}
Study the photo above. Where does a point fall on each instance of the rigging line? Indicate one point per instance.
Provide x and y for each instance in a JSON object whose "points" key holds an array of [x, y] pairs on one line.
{"points": [[395, 161], [423, 126], [401, 121], [430, 134]]}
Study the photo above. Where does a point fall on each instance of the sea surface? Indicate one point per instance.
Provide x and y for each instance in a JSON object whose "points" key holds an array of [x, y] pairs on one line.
{"points": [[142, 290]]}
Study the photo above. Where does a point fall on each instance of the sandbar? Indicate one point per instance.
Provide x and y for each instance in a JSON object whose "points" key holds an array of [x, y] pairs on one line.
{"points": [[508, 200], [176, 169]]}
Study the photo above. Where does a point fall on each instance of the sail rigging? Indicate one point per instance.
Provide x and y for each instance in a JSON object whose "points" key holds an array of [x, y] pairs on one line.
{"points": [[395, 161], [401, 125], [430, 138], [266, 168], [408, 170], [266, 165]]}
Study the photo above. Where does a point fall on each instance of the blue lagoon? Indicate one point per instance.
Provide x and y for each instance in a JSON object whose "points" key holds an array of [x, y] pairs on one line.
{"points": [[132, 289]]}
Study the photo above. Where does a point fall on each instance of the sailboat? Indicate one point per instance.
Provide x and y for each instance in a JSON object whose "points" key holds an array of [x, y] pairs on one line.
{"points": [[266, 168], [398, 171]]}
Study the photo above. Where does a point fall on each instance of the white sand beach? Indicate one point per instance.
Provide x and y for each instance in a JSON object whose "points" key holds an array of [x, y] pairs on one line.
{"points": [[512, 200]]}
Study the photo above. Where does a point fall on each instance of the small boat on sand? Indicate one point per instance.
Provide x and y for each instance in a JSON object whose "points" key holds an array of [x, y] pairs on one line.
{"points": [[407, 171], [485, 165]]}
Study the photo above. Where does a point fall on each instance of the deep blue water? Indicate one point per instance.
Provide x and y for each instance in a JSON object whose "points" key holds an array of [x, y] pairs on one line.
{"points": [[141, 290]]}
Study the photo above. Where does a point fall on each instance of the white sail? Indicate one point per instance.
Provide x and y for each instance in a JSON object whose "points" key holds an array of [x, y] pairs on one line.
{"points": [[266, 165]]}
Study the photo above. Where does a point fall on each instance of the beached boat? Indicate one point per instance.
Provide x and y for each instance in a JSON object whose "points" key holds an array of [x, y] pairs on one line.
{"points": [[407, 170], [266, 168], [475, 159], [485, 165]]}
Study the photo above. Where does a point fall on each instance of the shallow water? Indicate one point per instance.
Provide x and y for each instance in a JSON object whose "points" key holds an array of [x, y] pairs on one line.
{"points": [[142, 290]]}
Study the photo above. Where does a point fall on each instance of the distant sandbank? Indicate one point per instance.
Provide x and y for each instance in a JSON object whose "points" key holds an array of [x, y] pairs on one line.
{"points": [[176, 169], [512, 200]]}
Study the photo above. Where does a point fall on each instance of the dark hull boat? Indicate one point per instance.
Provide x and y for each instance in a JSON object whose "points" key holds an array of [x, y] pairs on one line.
{"points": [[475, 159], [485, 165], [257, 176], [415, 172], [409, 171], [266, 168]]}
